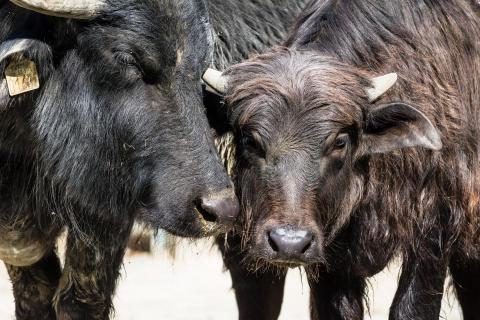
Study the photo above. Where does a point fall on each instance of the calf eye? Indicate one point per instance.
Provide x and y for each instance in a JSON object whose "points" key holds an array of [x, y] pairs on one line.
{"points": [[252, 144], [341, 141]]}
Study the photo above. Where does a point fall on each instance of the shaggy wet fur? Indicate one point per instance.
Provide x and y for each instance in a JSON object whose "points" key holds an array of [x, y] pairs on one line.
{"points": [[365, 208], [260, 25], [243, 28]]}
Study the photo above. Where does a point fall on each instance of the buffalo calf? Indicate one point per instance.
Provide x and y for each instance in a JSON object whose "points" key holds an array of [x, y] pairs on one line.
{"points": [[357, 143]]}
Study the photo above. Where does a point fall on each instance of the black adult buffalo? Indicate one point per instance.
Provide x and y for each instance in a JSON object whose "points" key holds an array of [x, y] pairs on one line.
{"points": [[240, 29], [340, 167], [101, 117]]}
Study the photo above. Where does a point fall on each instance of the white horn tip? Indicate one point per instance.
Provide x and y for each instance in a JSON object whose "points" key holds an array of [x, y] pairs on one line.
{"points": [[380, 85], [215, 80]]}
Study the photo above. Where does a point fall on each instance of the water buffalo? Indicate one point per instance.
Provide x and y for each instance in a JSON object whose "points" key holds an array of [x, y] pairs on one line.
{"points": [[101, 116], [241, 28], [356, 143]]}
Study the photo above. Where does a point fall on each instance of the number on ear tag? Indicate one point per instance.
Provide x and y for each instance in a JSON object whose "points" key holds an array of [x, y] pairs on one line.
{"points": [[21, 76]]}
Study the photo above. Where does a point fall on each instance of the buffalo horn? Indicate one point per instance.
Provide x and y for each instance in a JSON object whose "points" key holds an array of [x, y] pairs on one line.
{"points": [[78, 9], [380, 85], [215, 80]]}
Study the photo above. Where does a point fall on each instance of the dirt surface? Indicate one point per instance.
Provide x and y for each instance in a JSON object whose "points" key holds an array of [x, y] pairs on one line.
{"points": [[194, 287]]}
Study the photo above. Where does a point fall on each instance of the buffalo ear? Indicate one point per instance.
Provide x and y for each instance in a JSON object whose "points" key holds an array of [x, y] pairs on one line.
{"points": [[13, 47], [4, 96], [217, 113], [398, 125]]}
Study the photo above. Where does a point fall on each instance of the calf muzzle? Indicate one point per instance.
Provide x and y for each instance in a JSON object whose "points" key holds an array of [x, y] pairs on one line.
{"points": [[289, 244]]}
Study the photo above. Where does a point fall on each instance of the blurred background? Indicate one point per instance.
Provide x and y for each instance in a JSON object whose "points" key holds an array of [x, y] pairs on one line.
{"points": [[194, 286]]}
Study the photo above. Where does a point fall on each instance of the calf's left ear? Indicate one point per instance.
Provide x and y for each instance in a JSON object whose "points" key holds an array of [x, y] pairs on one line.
{"points": [[395, 126]]}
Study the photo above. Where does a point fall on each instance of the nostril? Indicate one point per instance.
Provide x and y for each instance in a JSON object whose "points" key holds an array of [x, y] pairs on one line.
{"points": [[272, 243], [221, 208], [308, 245], [206, 211]]}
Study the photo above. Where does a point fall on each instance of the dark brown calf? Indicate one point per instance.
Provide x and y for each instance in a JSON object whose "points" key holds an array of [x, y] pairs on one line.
{"points": [[339, 180]]}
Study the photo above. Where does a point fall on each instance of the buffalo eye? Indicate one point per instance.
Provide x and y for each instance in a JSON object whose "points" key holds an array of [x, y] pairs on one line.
{"points": [[341, 141], [252, 143], [128, 62]]}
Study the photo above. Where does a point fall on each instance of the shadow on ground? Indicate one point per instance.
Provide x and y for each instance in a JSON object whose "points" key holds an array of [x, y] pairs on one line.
{"points": [[195, 287]]}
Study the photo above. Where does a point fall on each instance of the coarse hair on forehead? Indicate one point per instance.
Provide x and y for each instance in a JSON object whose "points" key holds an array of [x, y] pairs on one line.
{"points": [[285, 80]]}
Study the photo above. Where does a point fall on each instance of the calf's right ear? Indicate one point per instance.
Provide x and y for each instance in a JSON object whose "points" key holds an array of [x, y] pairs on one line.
{"points": [[18, 48], [215, 88], [217, 114]]}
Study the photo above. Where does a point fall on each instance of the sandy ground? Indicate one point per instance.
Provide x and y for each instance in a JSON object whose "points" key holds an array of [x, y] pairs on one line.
{"points": [[195, 287]]}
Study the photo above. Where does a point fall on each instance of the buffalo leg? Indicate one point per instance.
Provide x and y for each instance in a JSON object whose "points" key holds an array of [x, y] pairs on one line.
{"points": [[420, 289], [259, 294], [336, 297], [34, 287], [466, 277], [90, 273]]}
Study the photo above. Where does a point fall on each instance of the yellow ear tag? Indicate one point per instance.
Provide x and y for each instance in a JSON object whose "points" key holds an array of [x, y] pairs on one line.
{"points": [[21, 76]]}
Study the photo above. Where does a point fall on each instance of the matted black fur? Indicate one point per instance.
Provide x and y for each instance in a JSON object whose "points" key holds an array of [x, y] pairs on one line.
{"points": [[367, 181]]}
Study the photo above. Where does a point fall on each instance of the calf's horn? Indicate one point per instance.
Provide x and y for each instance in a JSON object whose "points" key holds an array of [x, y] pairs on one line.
{"points": [[380, 85], [79, 9], [215, 80]]}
